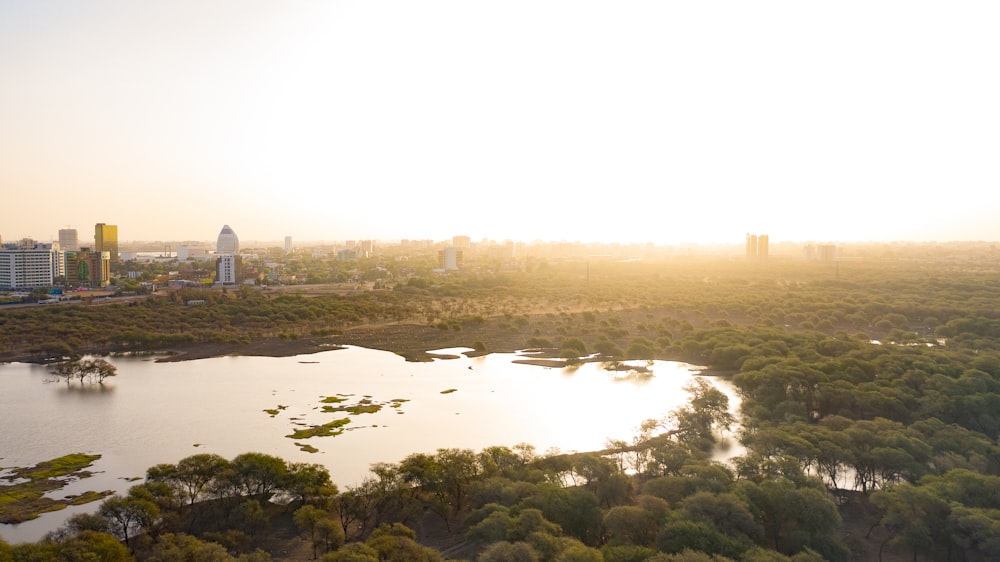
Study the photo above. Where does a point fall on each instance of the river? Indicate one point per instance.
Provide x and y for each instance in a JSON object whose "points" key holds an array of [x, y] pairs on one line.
{"points": [[154, 412]]}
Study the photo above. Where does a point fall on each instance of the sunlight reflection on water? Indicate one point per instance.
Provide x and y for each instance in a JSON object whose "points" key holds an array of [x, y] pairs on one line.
{"points": [[161, 412]]}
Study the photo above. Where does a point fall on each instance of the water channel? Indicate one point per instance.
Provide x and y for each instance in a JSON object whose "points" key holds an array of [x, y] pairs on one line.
{"points": [[156, 412]]}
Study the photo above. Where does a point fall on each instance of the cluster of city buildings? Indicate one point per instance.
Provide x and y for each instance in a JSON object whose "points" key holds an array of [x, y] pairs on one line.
{"points": [[28, 264]]}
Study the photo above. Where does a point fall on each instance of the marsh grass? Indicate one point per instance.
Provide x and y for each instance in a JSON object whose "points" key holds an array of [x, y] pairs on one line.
{"points": [[329, 429], [22, 491]]}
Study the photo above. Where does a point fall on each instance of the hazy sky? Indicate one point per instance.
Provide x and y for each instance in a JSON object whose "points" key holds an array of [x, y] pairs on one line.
{"points": [[662, 121]]}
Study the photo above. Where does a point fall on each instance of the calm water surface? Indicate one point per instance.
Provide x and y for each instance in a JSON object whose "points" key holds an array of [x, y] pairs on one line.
{"points": [[162, 412]]}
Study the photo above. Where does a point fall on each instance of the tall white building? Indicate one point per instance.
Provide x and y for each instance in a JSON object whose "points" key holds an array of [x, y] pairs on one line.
{"points": [[228, 242], [26, 268], [450, 259], [288, 243], [68, 240], [228, 268]]}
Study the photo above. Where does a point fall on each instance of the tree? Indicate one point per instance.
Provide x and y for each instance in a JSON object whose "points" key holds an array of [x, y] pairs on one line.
{"points": [[795, 517], [191, 476], [353, 552], [257, 475], [180, 546], [707, 410], [397, 543], [307, 519], [725, 512], [309, 483], [94, 369], [508, 552], [914, 515], [629, 524], [127, 515]]}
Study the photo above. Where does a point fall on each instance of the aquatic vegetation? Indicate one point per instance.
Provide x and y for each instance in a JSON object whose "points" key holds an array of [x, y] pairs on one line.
{"points": [[22, 491], [274, 411], [357, 409], [329, 429], [449, 391]]}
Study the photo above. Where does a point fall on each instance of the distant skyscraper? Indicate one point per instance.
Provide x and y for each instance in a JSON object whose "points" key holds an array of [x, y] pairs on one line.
{"points": [[228, 269], [757, 246], [288, 243], [461, 242], [450, 258], [227, 243], [106, 239], [751, 246], [68, 240]]}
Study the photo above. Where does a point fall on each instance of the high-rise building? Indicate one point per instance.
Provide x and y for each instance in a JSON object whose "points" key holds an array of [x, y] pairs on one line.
{"points": [[87, 267], [288, 243], [24, 268], [68, 239], [106, 239], [827, 253], [228, 242], [450, 258], [757, 246], [461, 242], [751, 246], [365, 248], [228, 269]]}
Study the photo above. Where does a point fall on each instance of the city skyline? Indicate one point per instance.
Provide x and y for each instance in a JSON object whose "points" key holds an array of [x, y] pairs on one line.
{"points": [[576, 121]]}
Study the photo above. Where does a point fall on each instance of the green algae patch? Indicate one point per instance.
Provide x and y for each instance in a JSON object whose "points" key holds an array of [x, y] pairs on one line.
{"points": [[329, 429], [449, 391], [274, 411], [307, 447], [364, 406], [356, 409], [22, 490]]}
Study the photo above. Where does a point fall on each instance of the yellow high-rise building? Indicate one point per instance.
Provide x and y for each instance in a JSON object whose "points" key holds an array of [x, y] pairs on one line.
{"points": [[106, 239]]}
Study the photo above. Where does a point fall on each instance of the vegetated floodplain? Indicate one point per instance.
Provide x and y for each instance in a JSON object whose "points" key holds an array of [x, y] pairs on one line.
{"points": [[854, 450], [22, 491]]}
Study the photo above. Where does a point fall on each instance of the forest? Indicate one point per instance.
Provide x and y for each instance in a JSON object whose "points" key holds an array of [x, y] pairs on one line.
{"points": [[870, 414]]}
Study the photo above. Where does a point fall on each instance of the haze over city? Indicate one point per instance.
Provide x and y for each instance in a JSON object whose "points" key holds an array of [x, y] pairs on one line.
{"points": [[645, 122]]}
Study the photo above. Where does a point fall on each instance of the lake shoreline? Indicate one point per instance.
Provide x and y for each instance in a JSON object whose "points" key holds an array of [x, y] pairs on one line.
{"points": [[413, 342]]}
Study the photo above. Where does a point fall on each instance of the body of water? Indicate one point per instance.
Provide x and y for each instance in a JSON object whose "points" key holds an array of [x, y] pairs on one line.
{"points": [[162, 412]]}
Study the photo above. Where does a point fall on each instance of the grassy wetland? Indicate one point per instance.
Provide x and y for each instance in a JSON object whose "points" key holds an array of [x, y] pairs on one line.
{"points": [[870, 411], [23, 489]]}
